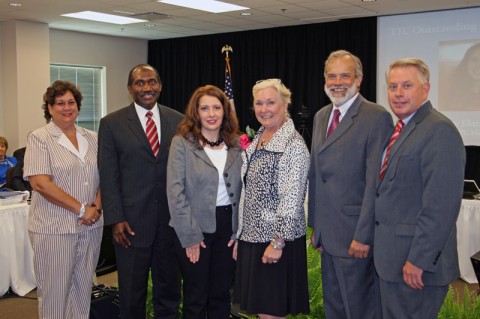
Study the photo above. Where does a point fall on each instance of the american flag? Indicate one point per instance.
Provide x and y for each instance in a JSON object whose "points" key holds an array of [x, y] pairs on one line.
{"points": [[228, 81]]}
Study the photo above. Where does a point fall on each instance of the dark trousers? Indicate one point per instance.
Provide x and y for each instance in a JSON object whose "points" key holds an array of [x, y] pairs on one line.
{"points": [[206, 284], [133, 266]]}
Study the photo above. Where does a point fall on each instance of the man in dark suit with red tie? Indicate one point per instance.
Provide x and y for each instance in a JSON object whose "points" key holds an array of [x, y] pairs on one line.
{"points": [[132, 179], [418, 199], [347, 136]]}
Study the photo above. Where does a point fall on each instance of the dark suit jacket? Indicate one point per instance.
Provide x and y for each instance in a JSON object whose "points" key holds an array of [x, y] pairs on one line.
{"points": [[418, 200], [343, 175], [132, 180], [18, 183]]}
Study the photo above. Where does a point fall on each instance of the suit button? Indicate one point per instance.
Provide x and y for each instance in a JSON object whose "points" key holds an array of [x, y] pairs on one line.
{"points": [[234, 204], [376, 194], [228, 184], [225, 174], [377, 223], [231, 194]]}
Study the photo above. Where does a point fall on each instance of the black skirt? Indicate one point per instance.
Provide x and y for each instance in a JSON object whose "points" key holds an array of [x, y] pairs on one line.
{"points": [[273, 289]]}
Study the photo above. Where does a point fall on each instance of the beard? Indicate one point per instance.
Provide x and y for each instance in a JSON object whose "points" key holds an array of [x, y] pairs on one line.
{"points": [[340, 100]]}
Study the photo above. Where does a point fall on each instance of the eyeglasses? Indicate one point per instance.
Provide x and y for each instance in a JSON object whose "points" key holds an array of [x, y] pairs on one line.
{"points": [[276, 80]]}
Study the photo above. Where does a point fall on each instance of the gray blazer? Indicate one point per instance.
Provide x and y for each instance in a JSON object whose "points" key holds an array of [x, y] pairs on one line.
{"points": [[343, 175], [418, 200], [192, 185]]}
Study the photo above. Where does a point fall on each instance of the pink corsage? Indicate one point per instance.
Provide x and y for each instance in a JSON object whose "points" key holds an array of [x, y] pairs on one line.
{"points": [[247, 138], [244, 141]]}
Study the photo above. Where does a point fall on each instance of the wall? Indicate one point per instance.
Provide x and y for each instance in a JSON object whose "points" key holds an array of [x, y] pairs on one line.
{"points": [[25, 59], [118, 55]]}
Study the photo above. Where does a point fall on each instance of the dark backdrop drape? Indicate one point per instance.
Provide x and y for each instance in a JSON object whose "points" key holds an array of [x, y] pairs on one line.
{"points": [[296, 55]]}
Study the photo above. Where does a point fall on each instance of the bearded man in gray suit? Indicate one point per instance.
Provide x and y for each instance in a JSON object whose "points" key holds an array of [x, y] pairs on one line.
{"points": [[347, 137], [418, 199]]}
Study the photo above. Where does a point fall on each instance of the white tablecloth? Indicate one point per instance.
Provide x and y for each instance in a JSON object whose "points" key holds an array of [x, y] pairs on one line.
{"points": [[16, 255], [468, 238]]}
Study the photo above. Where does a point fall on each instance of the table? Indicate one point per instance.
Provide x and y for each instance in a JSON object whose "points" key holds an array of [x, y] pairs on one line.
{"points": [[16, 254], [468, 238]]}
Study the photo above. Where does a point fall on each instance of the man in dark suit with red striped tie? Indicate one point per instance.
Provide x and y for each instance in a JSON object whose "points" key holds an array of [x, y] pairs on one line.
{"points": [[417, 200], [133, 152]]}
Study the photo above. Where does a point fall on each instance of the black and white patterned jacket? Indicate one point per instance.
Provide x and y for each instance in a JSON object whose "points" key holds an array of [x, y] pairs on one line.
{"points": [[274, 187]]}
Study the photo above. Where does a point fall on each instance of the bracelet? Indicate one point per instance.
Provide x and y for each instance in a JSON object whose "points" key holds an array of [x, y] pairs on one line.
{"points": [[277, 244], [82, 211]]}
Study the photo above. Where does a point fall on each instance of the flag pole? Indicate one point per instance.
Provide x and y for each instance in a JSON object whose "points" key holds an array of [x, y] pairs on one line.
{"points": [[228, 75]]}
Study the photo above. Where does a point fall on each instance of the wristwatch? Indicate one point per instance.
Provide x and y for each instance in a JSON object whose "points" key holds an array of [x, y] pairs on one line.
{"points": [[277, 244], [82, 211]]}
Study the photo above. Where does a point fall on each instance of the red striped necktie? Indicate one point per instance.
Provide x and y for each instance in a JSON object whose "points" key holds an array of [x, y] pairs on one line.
{"points": [[393, 138], [152, 134], [334, 123]]}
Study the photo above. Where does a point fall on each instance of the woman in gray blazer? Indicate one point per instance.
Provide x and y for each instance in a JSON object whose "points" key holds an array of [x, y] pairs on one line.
{"points": [[203, 189]]}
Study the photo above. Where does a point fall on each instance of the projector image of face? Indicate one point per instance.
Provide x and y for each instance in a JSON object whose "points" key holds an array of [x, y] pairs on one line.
{"points": [[460, 88]]}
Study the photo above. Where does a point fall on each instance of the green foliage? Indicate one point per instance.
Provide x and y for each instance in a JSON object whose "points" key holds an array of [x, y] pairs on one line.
{"points": [[453, 308]]}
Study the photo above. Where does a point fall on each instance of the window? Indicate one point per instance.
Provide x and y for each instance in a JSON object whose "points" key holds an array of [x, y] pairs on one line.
{"points": [[91, 81]]}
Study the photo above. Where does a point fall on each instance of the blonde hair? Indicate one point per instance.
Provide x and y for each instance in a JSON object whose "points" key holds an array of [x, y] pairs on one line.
{"points": [[277, 84], [4, 142]]}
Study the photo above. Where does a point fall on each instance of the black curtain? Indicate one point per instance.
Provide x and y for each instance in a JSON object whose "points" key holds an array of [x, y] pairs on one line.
{"points": [[296, 55]]}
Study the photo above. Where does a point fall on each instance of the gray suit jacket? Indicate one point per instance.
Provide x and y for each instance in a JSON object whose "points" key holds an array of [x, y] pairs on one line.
{"points": [[132, 180], [192, 185], [343, 175], [418, 200]]}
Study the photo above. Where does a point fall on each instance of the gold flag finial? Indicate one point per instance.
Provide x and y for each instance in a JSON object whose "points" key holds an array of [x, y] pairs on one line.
{"points": [[226, 48]]}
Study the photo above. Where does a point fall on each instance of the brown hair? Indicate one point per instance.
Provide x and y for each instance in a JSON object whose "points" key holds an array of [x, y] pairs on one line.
{"points": [[191, 125], [59, 88]]}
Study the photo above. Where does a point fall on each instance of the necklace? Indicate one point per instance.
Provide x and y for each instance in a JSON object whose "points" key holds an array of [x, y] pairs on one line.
{"points": [[213, 144], [264, 143]]}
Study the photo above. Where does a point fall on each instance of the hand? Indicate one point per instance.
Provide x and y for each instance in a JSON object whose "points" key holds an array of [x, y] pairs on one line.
{"points": [[412, 275], [312, 240], [120, 231], [235, 247], [90, 217], [271, 255], [358, 250], [193, 252]]}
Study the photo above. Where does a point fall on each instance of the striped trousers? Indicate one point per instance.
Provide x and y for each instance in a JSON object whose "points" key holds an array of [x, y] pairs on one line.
{"points": [[64, 265]]}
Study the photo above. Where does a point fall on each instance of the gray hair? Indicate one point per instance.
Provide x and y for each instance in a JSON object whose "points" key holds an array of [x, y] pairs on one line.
{"points": [[340, 54], [422, 68]]}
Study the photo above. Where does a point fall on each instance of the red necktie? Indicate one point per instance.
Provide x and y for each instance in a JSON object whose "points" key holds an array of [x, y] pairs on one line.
{"points": [[393, 138], [152, 134], [334, 123]]}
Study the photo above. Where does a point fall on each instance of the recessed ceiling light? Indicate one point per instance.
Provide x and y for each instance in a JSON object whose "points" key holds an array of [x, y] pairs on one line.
{"points": [[15, 4], [123, 12], [246, 14], [369, 0], [205, 5], [150, 25], [102, 17]]}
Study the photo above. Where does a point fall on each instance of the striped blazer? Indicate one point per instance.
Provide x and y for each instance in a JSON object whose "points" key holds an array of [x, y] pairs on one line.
{"points": [[48, 153]]}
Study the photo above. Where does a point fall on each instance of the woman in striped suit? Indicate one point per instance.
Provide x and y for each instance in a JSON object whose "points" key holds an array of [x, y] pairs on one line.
{"points": [[65, 222]]}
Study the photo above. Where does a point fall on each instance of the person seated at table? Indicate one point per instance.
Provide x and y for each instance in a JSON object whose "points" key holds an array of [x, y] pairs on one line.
{"points": [[5, 162], [18, 183]]}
